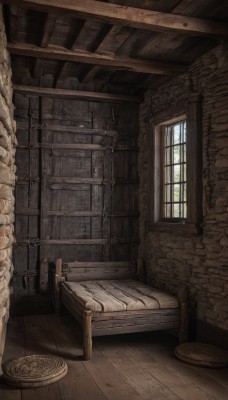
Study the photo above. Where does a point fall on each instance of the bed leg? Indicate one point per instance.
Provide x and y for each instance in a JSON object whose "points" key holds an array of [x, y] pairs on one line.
{"points": [[87, 335], [183, 333], [57, 281]]}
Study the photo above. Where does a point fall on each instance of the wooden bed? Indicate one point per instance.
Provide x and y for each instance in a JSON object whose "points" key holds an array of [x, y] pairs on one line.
{"points": [[106, 298]]}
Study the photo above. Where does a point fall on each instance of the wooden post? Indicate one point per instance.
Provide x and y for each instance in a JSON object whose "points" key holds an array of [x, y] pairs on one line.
{"points": [[87, 335], [141, 270], [183, 332], [58, 279]]}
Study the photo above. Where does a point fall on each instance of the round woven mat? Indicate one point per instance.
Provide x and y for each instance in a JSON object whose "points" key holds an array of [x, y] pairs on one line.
{"points": [[202, 354], [34, 371]]}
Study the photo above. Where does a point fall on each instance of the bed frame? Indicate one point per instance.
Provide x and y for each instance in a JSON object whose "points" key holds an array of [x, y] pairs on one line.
{"points": [[118, 322]]}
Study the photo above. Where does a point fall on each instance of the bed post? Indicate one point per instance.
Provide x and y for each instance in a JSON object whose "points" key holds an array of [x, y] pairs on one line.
{"points": [[58, 279], [141, 270], [183, 332], [87, 335]]}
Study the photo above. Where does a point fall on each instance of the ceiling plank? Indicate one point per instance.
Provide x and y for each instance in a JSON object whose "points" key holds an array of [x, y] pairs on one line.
{"points": [[120, 38], [108, 60], [75, 94], [134, 17], [90, 72], [47, 34], [64, 69], [48, 29], [66, 65]]}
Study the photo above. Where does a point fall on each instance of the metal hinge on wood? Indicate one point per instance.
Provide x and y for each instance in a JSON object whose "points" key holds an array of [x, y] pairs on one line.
{"points": [[25, 275], [27, 241]]}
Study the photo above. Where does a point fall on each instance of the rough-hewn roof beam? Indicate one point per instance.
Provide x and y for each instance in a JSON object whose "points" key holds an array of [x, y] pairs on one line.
{"points": [[75, 94], [134, 17], [108, 60], [47, 34], [100, 48]]}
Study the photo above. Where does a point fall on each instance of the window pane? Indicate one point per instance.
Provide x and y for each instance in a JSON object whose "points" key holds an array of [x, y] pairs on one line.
{"points": [[167, 174], [167, 211], [185, 176], [176, 192], [176, 211], [176, 154], [185, 210], [176, 135], [183, 153], [176, 173], [167, 156], [167, 193], [167, 138], [185, 192]]}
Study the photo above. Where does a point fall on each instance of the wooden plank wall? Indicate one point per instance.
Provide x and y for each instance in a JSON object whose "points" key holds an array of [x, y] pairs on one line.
{"points": [[77, 186]]}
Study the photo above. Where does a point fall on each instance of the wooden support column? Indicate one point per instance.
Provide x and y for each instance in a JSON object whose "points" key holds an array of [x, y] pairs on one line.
{"points": [[87, 335], [58, 279]]}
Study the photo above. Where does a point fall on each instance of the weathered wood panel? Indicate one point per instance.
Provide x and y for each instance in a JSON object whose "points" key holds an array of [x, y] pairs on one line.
{"points": [[76, 194]]}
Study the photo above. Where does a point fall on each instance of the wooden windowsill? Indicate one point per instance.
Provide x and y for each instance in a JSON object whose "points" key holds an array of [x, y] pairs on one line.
{"points": [[176, 227]]}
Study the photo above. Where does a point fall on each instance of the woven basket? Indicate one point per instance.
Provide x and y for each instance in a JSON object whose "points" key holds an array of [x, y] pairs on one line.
{"points": [[34, 371], [201, 354]]}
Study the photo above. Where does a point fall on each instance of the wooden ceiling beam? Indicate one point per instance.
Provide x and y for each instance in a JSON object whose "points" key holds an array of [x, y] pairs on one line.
{"points": [[100, 48], [130, 16], [108, 60], [46, 37], [48, 29], [63, 71], [75, 94], [90, 72], [65, 66]]}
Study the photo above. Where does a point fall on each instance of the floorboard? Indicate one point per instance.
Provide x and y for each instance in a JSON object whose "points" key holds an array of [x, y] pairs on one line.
{"points": [[14, 348], [78, 384], [124, 367]]}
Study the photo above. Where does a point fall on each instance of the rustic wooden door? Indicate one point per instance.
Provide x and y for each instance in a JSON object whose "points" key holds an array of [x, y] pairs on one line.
{"points": [[76, 193]]}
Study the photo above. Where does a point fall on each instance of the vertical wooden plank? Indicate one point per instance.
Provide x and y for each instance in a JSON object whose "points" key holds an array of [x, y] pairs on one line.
{"points": [[39, 340], [43, 275], [108, 186], [44, 230], [13, 349], [33, 195], [97, 158]]}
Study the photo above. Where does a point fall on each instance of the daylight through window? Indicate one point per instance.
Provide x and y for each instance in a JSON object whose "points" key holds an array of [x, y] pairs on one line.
{"points": [[173, 158]]}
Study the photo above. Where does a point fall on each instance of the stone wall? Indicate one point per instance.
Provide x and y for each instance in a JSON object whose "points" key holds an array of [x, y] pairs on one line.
{"points": [[199, 262], [7, 180]]}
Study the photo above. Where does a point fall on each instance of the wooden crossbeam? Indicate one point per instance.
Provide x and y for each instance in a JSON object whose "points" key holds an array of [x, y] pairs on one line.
{"points": [[108, 60], [129, 16], [76, 94]]}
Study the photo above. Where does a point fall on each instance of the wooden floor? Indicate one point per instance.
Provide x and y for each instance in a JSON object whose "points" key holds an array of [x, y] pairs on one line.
{"points": [[125, 367]]}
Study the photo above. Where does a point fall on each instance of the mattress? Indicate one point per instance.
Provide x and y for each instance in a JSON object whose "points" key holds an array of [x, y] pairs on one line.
{"points": [[118, 295]]}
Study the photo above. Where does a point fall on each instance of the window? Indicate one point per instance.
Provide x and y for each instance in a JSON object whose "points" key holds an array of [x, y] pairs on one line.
{"points": [[173, 171], [176, 168]]}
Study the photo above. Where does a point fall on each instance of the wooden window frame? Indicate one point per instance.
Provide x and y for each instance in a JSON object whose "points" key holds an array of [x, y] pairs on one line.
{"points": [[193, 113], [162, 131]]}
